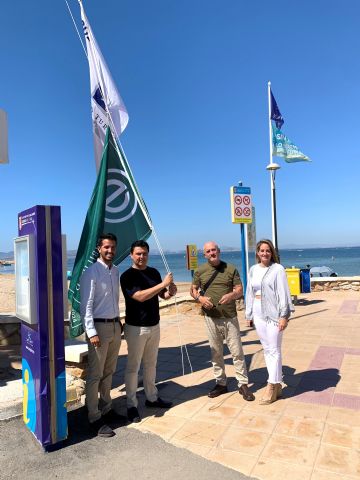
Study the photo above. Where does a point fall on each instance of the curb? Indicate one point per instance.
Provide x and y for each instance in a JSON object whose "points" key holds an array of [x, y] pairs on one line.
{"points": [[9, 412]]}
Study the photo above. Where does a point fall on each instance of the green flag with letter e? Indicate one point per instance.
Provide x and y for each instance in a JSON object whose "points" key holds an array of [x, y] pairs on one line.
{"points": [[284, 147], [115, 207]]}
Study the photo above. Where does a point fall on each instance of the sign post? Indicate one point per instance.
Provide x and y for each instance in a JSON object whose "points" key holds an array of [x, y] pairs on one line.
{"points": [[241, 212], [40, 306], [251, 234], [4, 155]]}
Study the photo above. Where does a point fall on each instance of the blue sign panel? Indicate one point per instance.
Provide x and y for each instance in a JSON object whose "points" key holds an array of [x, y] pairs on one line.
{"points": [[242, 190]]}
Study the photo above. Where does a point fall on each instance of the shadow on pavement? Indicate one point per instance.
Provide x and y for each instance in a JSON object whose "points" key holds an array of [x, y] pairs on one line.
{"points": [[298, 383], [9, 354], [318, 380], [304, 302], [308, 314], [79, 429]]}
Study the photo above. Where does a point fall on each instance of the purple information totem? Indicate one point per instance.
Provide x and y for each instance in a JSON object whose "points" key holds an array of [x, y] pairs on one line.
{"points": [[39, 304]]}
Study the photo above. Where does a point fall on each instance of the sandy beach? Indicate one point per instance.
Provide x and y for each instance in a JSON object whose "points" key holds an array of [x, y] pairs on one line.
{"points": [[7, 293]]}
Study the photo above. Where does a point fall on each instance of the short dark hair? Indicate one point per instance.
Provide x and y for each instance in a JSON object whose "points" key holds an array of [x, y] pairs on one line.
{"points": [[106, 236], [141, 244]]}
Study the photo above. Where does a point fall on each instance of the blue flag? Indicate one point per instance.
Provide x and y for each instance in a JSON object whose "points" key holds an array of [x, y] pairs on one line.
{"points": [[284, 147], [275, 112]]}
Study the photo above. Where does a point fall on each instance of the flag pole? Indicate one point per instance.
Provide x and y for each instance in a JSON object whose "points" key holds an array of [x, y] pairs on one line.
{"points": [[130, 177], [272, 167], [77, 30], [115, 134], [118, 146]]}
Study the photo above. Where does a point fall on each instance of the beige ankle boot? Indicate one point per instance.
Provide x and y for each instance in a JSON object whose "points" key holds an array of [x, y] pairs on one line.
{"points": [[270, 395], [278, 390]]}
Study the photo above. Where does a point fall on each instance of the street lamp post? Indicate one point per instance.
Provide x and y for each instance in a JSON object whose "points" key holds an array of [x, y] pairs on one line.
{"points": [[272, 167]]}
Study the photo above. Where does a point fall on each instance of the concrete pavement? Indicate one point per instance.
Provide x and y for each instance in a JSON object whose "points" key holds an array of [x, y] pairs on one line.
{"points": [[313, 432]]}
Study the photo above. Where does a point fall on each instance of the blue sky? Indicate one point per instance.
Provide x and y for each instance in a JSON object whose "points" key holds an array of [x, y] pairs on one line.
{"points": [[193, 75]]}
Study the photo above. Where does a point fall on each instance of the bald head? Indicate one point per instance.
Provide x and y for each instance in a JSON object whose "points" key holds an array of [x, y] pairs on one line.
{"points": [[212, 253]]}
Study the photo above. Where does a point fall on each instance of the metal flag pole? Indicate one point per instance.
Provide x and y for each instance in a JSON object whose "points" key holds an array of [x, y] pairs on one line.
{"points": [[131, 179], [272, 167]]}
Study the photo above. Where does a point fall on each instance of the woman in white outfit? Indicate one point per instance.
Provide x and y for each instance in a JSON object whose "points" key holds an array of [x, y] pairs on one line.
{"points": [[269, 305]]}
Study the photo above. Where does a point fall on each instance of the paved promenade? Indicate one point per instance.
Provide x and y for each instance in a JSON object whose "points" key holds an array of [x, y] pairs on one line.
{"points": [[313, 432]]}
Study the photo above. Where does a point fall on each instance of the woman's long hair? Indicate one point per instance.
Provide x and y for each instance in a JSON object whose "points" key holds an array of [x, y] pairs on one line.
{"points": [[274, 257]]}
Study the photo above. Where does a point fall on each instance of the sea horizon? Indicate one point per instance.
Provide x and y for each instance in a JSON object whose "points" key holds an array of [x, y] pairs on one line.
{"points": [[345, 261], [10, 255]]}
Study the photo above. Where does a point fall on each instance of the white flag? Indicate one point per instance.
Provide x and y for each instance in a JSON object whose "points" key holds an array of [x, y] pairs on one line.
{"points": [[104, 95], [4, 156]]}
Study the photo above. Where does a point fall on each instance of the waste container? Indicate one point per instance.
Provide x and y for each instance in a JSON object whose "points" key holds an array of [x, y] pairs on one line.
{"points": [[305, 280], [293, 277]]}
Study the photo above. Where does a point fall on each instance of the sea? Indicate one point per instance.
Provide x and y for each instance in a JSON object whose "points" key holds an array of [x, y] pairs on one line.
{"points": [[345, 261]]}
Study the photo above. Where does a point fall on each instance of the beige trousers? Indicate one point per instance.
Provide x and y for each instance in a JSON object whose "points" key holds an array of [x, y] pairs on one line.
{"points": [[102, 365], [218, 330], [143, 345]]}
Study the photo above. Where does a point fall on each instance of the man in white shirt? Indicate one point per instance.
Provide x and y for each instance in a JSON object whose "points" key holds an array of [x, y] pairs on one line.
{"points": [[99, 292]]}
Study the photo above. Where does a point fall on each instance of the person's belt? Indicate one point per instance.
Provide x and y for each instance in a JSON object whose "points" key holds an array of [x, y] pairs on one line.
{"points": [[106, 320]]}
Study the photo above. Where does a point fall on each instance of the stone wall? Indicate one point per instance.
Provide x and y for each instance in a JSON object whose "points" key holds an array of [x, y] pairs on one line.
{"points": [[335, 283]]}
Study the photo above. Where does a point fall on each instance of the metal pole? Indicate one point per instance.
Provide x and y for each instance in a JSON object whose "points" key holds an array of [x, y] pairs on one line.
{"points": [[273, 204], [272, 174], [243, 256], [247, 247], [243, 253], [272, 167]]}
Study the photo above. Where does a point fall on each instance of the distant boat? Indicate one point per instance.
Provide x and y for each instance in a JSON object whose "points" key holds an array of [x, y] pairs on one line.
{"points": [[322, 272], [5, 263]]}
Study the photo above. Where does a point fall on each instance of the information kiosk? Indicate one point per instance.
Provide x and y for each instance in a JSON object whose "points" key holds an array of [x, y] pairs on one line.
{"points": [[40, 306]]}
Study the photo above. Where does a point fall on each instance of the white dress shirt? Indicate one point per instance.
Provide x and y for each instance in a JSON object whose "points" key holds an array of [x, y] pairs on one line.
{"points": [[99, 294]]}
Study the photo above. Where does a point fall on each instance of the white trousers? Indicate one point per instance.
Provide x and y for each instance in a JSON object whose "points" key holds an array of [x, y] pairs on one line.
{"points": [[143, 345], [270, 338]]}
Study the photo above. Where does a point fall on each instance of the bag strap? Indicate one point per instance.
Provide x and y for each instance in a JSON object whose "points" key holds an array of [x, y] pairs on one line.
{"points": [[209, 282]]}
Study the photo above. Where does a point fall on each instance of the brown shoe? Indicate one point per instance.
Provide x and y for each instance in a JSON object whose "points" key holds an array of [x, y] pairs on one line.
{"points": [[246, 394], [217, 390]]}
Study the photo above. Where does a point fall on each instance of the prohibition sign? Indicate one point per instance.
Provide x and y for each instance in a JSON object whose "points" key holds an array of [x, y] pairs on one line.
{"points": [[246, 200], [247, 211], [238, 199], [238, 211]]}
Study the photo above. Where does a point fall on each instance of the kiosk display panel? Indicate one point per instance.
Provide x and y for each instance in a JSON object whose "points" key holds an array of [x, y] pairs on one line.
{"points": [[25, 298]]}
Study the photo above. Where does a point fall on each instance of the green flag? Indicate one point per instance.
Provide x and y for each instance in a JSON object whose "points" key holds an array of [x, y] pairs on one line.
{"points": [[114, 208], [124, 216], [284, 147]]}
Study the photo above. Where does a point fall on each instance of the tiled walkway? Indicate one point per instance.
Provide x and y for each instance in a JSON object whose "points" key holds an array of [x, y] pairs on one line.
{"points": [[313, 432]]}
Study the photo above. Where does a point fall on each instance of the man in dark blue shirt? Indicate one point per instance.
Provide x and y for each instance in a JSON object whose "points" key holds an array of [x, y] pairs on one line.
{"points": [[141, 286]]}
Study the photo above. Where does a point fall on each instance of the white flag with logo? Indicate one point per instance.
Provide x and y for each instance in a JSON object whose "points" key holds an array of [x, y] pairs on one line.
{"points": [[104, 95]]}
